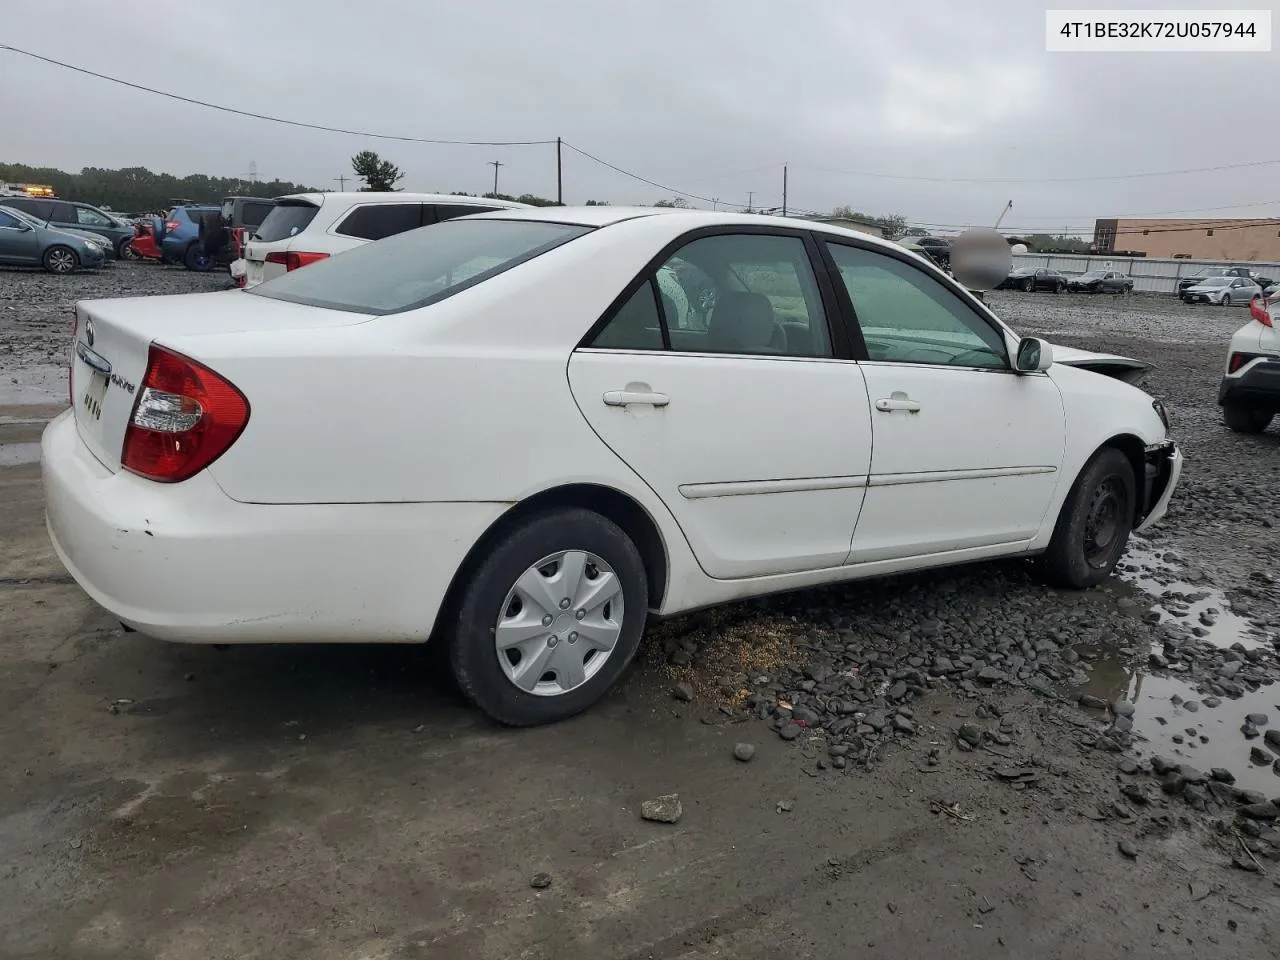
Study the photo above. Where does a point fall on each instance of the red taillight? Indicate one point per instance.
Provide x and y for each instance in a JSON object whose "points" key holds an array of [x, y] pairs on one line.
{"points": [[171, 226], [185, 417], [71, 363], [1238, 360], [1258, 310], [294, 259]]}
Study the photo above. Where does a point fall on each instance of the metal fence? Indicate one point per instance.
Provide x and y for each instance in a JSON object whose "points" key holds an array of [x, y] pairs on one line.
{"points": [[1150, 274]]}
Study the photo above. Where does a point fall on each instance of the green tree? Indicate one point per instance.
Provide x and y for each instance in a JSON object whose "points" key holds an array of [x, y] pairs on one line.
{"points": [[893, 226], [679, 203], [378, 175]]}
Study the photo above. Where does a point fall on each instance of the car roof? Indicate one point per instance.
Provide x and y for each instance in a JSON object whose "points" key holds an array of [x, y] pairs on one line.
{"points": [[374, 196]]}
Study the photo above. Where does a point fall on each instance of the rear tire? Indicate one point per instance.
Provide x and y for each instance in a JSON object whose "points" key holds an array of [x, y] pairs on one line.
{"points": [[538, 553], [1245, 419], [1094, 525], [1028, 286], [61, 260], [125, 251], [197, 260], [1060, 288]]}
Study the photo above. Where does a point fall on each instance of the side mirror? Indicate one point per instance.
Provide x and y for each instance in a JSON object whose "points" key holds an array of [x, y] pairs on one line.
{"points": [[1034, 355]]}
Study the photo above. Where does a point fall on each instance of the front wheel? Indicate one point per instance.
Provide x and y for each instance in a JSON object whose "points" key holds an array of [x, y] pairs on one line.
{"points": [[125, 251], [1095, 523], [61, 260], [196, 259], [1028, 285], [550, 618], [1225, 301], [1060, 288], [1245, 419]]}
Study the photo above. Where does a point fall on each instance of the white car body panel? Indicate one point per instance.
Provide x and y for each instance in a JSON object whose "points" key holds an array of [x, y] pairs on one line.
{"points": [[359, 485], [321, 235]]}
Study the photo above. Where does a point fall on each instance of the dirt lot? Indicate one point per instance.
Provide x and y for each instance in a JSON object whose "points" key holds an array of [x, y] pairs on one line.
{"points": [[925, 781]]}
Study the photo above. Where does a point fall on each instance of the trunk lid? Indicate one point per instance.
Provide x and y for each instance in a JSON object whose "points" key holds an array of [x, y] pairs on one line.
{"points": [[113, 340]]}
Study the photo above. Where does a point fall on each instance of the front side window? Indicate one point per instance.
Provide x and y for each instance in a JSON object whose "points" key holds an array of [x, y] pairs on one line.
{"points": [[379, 220], [89, 217], [736, 294], [419, 267], [907, 316]]}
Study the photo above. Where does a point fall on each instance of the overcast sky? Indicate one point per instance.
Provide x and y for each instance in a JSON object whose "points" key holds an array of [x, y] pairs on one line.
{"points": [[707, 96]]}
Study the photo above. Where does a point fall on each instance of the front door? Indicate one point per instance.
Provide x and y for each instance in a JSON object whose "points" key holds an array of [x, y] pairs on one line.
{"points": [[966, 452], [732, 404]]}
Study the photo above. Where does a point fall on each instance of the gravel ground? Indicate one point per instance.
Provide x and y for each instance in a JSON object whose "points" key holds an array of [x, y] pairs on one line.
{"points": [[956, 764]]}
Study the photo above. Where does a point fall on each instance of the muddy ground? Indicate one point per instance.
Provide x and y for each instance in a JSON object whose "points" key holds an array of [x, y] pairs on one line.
{"points": [[941, 792]]}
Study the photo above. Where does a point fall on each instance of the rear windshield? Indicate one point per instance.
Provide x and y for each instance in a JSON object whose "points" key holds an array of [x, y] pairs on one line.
{"points": [[284, 221], [418, 267]]}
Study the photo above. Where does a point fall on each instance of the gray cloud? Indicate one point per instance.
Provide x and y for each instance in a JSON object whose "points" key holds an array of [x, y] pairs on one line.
{"points": [[685, 93]]}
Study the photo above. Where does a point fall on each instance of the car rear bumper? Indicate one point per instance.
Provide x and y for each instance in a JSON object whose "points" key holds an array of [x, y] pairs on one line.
{"points": [[1258, 384], [185, 562], [1163, 470]]}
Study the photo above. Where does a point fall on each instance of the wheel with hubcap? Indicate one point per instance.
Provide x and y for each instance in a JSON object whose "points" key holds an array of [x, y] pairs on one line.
{"points": [[61, 260], [125, 251], [1095, 523], [550, 618], [196, 259], [1226, 300], [1246, 419], [1028, 285]]}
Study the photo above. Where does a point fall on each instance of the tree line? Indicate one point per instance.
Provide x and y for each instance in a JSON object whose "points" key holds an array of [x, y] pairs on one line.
{"points": [[137, 189]]}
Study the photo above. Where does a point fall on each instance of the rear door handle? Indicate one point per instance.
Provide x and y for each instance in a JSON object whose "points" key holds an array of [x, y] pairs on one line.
{"points": [[898, 402], [621, 398]]}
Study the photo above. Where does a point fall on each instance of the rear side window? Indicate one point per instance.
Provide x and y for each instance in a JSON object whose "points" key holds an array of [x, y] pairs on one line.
{"points": [[63, 213], [447, 211], [252, 214], [37, 208], [378, 220], [284, 221], [419, 267]]}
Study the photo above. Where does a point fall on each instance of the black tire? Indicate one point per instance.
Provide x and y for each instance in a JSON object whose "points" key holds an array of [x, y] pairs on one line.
{"points": [[197, 260], [61, 260], [1226, 300], [1060, 288], [1245, 419], [1028, 286], [125, 251], [472, 654], [1105, 495]]}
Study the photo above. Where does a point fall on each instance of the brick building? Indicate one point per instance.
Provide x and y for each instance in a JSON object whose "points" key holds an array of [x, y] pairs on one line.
{"points": [[1202, 239]]}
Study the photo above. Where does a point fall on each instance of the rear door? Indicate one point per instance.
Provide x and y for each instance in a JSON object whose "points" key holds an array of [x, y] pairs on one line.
{"points": [[753, 429]]}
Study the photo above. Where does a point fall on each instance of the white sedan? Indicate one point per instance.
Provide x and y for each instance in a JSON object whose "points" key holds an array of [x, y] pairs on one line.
{"points": [[500, 432]]}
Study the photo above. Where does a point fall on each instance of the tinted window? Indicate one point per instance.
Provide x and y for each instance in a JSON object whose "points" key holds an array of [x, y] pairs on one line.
{"points": [[375, 221], [252, 214], [88, 217], [447, 211], [63, 213], [42, 209], [907, 316], [10, 222], [636, 325], [413, 269], [284, 221]]}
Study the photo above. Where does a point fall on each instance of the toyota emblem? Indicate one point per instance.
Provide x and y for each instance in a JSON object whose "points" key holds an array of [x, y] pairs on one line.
{"points": [[88, 332]]}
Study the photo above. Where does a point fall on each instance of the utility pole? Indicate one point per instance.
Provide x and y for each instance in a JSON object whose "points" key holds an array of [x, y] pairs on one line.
{"points": [[750, 197], [559, 177], [715, 203], [341, 182], [784, 189], [495, 164]]}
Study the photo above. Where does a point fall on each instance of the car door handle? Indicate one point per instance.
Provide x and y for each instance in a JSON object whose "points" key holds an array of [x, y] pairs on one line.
{"points": [[621, 398], [898, 402]]}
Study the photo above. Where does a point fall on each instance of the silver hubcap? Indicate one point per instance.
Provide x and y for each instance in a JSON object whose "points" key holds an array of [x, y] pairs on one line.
{"points": [[559, 623], [61, 261]]}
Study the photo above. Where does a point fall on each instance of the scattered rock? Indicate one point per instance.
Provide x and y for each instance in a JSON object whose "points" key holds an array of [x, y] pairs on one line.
{"points": [[1245, 863], [1199, 890], [1259, 756], [1123, 708], [970, 733], [1129, 849], [789, 730], [1272, 737], [1128, 766], [744, 752], [683, 692], [786, 806], [1257, 719], [681, 658], [1250, 731], [664, 809], [1260, 811], [1222, 775], [1092, 703], [540, 881]]}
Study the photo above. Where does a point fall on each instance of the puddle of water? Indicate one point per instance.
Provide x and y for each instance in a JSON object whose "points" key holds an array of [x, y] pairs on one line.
{"points": [[1171, 718], [1168, 729], [1200, 608], [13, 454]]}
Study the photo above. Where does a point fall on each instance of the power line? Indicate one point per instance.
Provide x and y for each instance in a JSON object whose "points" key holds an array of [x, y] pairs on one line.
{"points": [[636, 176], [263, 116]]}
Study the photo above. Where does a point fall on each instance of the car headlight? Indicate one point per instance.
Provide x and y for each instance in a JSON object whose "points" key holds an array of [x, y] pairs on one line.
{"points": [[1163, 413]]}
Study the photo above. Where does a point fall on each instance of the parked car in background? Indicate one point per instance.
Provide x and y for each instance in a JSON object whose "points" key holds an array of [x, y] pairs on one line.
{"points": [[177, 234], [1223, 291], [603, 462], [306, 227], [1250, 389], [222, 233], [26, 241], [1206, 273], [66, 214], [1035, 278], [1100, 281], [935, 248]]}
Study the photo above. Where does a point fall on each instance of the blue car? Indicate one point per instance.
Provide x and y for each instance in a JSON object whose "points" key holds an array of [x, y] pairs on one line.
{"points": [[178, 235]]}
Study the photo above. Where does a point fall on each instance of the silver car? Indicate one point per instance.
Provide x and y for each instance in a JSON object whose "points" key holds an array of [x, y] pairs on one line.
{"points": [[28, 242], [1223, 291]]}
